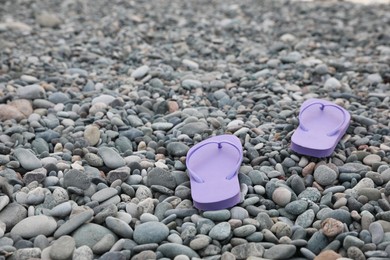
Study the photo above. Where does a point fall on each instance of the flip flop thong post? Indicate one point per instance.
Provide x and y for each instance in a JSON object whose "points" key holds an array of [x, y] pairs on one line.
{"points": [[321, 126], [213, 168]]}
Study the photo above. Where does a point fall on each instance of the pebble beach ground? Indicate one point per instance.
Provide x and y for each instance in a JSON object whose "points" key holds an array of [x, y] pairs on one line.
{"points": [[101, 100]]}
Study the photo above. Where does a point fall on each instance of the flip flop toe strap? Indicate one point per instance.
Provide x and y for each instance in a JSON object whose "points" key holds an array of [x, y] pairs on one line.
{"points": [[322, 107], [220, 146]]}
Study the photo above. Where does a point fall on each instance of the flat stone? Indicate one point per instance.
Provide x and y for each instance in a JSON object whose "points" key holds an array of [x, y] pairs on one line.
{"points": [[76, 178], [34, 226], [73, 223], [27, 159], [150, 232], [159, 176], [194, 128], [177, 149], [172, 250], [111, 158], [280, 252], [217, 215], [244, 231]]}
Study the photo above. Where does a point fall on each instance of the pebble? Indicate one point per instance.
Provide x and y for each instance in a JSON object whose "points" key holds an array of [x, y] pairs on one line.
{"points": [[217, 215], [13, 214], [92, 134], [35, 225], [332, 227], [172, 250], [119, 227], [371, 159], [246, 250], [83, 252], [332, 84], [297, 207], [280, 252], [27, 159], [73, 223], [177, 149], [111, 158], [151, 232], [62, 248], [377, 232], [221, 231], [76, 178], [89, 234], [317, 242], [104, 244], [328, 255], [140, 72], [350, 241], [305, 219], [324, 175], [191, 84], [158, 176], [281, 196]]}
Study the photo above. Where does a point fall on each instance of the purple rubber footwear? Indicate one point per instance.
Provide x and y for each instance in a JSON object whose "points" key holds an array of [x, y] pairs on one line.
{"points": [[321, 126], [213, 168]]}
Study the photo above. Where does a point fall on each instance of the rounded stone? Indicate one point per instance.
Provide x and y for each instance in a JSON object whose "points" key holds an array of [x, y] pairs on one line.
{"points": [[332, 227], [92, 134], [371, 159], [324, 175], [150, 232], [377, 232], [220, 231], [280, 252], [34, 226], [89, 234], [62, 248], [281, 196]]}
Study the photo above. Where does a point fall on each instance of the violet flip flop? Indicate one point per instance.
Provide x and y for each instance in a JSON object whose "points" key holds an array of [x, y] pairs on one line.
{"points": [[213, 169], [321, 126]]}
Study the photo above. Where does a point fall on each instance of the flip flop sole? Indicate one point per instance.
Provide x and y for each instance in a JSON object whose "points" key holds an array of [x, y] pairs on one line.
{"points": [[322, 125], [213, 167]]}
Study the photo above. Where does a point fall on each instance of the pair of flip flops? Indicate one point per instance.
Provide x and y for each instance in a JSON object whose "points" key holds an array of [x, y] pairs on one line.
{"points": [[213, 164]]}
